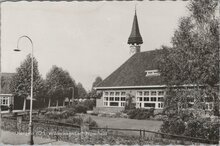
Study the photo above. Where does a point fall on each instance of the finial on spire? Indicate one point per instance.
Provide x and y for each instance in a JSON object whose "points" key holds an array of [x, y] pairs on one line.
{"points": [[135, 8]]}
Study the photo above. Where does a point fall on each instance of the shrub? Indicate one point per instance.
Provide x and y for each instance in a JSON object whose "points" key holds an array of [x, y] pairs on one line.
{"points": [[89, 104], [173, 126], [90, 122], [203, 129], [80, 108], [188, 124], [75, 120], [140, 114], [56, 115]]}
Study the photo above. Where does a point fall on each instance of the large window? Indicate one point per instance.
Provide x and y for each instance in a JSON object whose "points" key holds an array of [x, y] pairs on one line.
{"points": [[151, 105], [113, 103], [114, 98], [150, 98]]}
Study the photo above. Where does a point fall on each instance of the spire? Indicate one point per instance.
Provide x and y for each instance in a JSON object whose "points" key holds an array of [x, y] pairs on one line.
{"points": [[135, 36]]}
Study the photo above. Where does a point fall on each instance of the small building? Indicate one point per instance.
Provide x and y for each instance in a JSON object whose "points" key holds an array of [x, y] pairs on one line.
{"points": [[6, 97]]}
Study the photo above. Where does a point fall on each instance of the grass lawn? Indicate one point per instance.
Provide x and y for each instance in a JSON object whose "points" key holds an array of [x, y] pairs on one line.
{"points": [[123, 123]]}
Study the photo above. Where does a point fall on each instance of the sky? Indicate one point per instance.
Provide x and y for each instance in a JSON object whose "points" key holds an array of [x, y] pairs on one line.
{"points": [[88, 39]]}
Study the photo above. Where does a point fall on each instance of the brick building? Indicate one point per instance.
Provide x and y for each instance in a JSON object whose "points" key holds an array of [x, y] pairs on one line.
{"points": [[138, 77]]}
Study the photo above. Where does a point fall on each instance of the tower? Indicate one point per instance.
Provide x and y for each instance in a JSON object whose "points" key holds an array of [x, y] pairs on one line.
{"points": [[135, 39]]}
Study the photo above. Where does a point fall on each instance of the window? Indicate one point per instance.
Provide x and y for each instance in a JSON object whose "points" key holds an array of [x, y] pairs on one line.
{"points": [[117, 93], [160, 98], [152, 73], [122, 93], [146, 93], [149, 104], [146, 98], [111, 98], [160, 105], [140, 93], [153, 99], [122, 103], [140, 98], [113, 103], [106, 98], [105, 103], [122, 98], [106, 93], [153, 93], [160, 93], [116, 98], [111, 93]]}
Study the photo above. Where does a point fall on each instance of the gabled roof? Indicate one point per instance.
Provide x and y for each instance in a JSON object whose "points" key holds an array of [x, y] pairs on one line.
{"points": [[135, 36], [132, 72], [6, 79]]}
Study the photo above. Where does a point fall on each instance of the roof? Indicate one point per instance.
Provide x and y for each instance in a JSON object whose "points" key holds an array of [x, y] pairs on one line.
{"points": [[135, 36], [5, 82], [132, 72]]}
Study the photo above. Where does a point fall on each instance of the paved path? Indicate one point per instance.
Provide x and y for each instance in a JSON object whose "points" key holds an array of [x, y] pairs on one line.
{"points": [[21, 138]]}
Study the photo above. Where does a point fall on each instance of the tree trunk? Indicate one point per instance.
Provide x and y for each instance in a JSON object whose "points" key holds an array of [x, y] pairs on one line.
{"points": [[49, 103], [24, 105], [57, 104]]}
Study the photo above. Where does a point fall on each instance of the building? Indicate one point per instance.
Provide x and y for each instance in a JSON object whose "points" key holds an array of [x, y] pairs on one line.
{"points": [[138, 77], [6, 98]]}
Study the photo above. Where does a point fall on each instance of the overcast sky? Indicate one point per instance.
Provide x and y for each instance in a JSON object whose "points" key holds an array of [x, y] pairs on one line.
{"points": [[88, 39]]}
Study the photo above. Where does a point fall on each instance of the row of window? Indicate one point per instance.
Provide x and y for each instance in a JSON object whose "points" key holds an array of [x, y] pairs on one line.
{"points": [[114, 98], [115, 93], [150, 93], [149, 98], [114, 104]]}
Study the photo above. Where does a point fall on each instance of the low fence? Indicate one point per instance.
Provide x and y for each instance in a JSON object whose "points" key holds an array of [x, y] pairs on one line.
{"points": [[94, 135]]}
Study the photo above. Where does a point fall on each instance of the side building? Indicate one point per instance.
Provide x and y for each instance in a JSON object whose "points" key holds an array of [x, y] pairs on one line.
{"points": [[6, 98]]}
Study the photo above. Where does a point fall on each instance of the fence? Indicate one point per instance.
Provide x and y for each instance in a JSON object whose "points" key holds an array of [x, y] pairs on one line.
{"points": [[96, 135]]}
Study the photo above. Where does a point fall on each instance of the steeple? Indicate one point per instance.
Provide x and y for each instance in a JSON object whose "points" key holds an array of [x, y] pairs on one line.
{"points": [[135, 38]]}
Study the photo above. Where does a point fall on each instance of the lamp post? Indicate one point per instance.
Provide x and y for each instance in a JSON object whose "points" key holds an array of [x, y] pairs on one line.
{"points": [[30, 141]]}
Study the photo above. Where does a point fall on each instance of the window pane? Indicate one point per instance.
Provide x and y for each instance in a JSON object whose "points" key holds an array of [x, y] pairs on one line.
{"points": [[149, 104], [146, 92], [122, 93], [153, 93], [140, 93], [122, 98], [160, 93], [106, 93], [111, 93], [113, 103], [116, 98]]}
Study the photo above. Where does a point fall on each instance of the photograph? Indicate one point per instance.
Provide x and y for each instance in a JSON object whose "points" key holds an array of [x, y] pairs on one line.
{"points": [[87, 72]]}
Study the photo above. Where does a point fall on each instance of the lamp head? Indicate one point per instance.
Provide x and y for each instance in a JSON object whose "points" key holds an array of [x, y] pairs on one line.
{"points": [[17, 50]]}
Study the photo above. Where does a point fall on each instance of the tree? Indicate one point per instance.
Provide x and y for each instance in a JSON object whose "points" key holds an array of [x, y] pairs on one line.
{"points": [[193, 58], [93, 93], [21, 81], [81, 91], [59, 84]]}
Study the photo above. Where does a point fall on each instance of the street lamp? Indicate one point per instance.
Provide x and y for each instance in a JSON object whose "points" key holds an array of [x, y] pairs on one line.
{"points": [[30, 141]]}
